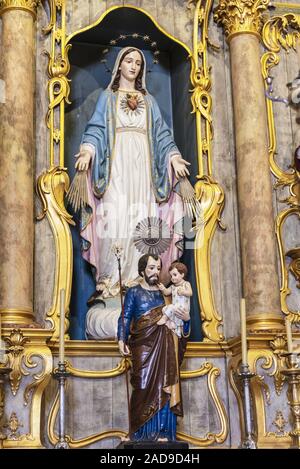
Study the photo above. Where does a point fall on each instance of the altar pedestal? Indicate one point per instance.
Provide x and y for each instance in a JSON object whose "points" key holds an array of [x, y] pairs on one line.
{"points": [[157, 445]]}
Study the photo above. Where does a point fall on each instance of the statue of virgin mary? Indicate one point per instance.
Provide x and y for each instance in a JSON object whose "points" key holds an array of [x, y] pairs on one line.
{"points": [[133, 166]]}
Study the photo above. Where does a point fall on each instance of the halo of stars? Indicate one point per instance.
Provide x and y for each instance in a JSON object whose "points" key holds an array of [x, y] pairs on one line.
{"points": [[123, 37]]}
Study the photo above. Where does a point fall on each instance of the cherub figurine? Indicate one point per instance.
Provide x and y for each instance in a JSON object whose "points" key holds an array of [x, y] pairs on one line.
{"points": [[181, 292]]}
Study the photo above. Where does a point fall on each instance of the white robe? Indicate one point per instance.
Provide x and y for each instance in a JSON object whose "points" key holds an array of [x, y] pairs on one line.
{"points": [[129, 198]]}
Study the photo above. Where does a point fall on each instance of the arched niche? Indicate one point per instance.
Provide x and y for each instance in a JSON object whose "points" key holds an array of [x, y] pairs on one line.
{"points": [[168, 81]]}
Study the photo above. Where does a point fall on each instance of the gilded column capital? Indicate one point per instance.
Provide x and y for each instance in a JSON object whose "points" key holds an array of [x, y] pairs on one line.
{"points": [[240, 16], [26, 5]]}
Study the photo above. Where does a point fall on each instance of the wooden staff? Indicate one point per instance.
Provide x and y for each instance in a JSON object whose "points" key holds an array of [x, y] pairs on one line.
{"points": [[117, 252]]}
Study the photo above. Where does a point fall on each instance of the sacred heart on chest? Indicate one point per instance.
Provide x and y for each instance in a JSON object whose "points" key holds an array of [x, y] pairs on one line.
{"points": [[132, 102]]}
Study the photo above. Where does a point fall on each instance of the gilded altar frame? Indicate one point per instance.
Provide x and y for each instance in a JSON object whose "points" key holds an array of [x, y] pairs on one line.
{"points": [[53, 183], [281, 33]]}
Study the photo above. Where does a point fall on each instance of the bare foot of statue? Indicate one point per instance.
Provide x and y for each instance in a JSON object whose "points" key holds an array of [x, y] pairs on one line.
{"points": [[162, 439], [125, 438]]}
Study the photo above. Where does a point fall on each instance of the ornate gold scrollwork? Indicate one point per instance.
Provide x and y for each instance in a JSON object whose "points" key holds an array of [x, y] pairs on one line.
{"points": [[278, 345], [201, 81], [21, 351], [282, 32], [51, 187], [18, 357], [212, 201], [207, 369], [268, 61], [124, 365], [280, 424], [240, 16], [208, 191], [58, 69], [53, 438], [52, 184], [26, 5], [54, 6], [59, 89], [16, 342], [210, 438], [13, 425]]}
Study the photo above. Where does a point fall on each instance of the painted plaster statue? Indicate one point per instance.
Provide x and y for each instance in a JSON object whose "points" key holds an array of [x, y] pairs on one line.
{"points": [[181, 292], [132, 165], [156, 352]]}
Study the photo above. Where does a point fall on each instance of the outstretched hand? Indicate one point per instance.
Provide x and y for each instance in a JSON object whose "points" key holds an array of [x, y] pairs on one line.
{"points": [[83, 160], [124, 350], [182, 313], [180, 166]]}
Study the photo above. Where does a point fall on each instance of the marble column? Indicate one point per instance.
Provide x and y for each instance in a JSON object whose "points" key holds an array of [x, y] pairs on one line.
{"points": [[242, 23], [16, 161]]}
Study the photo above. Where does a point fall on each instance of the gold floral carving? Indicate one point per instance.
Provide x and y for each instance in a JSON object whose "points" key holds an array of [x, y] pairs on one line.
{"points": [[58, 85], [13, 426], [279, 346], [26, 5], [240, 16], [16, 342], [282, 32], [201, 81], [23, 355], [20, 360], [280, 423], [53, 184]]}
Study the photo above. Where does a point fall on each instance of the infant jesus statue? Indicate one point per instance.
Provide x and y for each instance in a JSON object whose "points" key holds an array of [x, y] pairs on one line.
{"points": [[181, 292]]}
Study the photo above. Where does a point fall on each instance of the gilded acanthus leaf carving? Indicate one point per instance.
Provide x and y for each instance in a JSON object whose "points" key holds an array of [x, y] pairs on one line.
{"points": [[279, 422], [282, 31], [16, 342], [30, 5], [278, 345], [238, 16]]}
